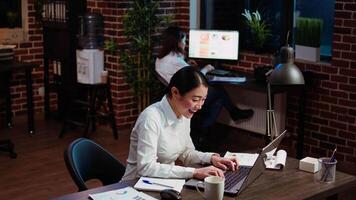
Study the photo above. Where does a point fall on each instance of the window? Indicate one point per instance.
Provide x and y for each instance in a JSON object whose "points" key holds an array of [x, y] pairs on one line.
{"points": [[279, 14], [13, 21], [324, 11], [227, 15]]}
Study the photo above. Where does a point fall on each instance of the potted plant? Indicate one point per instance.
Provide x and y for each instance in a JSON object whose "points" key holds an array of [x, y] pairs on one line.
{"points": [[110, 45], [140, 25], [308, 38], [259, 29]]}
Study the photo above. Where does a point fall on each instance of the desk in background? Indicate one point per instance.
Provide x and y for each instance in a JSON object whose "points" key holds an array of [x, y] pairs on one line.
{"points": [[256, 98], [6, 70], [288, 184]]}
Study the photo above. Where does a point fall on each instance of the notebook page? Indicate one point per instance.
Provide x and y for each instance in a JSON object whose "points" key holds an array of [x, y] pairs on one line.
{"points": [[245, 159], [127, 193], [177, 184]]}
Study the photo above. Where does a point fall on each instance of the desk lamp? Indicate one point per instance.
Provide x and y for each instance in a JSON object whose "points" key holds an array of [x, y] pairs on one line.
{"points": [[285, 73]]}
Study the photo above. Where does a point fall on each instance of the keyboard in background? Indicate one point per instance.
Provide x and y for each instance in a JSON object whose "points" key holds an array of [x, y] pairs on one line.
{"points": [[221, 72]]}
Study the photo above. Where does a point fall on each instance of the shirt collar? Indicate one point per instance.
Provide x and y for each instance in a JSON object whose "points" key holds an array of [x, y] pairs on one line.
{"points": [[171, 117]]}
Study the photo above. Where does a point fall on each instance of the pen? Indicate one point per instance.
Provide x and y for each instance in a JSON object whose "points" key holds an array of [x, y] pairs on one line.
{"points": [[326, 173], [332, 158], [154, 183]]}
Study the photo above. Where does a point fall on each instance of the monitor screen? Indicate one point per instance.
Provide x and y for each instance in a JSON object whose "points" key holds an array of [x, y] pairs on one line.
{"points": [[214, 44]]}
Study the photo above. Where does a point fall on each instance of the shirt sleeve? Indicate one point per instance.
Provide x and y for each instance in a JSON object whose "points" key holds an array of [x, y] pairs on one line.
{"points": [[193, 158], [147, 164]]}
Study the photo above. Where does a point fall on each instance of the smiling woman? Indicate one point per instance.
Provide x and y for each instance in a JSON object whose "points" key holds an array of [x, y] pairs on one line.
{"points": [[161, 134], [13, 21]]}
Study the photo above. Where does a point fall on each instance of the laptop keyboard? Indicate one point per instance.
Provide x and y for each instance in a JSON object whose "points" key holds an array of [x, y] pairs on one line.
{"points": [[234, 177]]}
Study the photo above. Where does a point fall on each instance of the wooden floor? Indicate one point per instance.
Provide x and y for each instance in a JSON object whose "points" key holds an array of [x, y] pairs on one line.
{"points": [[39, 171]]}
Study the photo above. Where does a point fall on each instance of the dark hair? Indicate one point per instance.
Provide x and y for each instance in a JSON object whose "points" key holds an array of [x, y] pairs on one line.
{"points": [[185, 80], [170, 39]]}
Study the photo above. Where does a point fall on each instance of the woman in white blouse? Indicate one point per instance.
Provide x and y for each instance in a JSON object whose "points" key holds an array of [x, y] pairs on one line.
{"points": [[161, 134]]}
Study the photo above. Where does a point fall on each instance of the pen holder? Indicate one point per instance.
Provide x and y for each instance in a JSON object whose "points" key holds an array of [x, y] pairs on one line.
{"points": [[327, 170]]}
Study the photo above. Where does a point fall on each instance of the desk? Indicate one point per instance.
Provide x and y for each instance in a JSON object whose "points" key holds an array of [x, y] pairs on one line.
{"points": [[288, 184], [253, 87], [6, 68]]}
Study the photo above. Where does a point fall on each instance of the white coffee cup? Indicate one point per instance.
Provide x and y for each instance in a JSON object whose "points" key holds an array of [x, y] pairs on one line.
{"points": [[213, 188]]}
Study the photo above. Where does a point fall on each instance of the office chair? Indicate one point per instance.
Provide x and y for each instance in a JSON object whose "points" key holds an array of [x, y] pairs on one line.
{"points": [[160, 78], [86, 160]]}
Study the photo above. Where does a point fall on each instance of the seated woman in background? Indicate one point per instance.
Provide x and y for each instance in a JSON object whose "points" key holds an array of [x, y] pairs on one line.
{"points": [[161, 134], [171, 59]]}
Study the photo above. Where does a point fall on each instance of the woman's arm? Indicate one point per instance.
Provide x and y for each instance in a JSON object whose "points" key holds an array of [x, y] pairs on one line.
{"points": [[192, 157], [147, 146]]}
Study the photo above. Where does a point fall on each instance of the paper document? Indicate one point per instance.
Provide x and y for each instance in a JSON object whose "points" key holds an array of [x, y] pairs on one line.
{"points": [[228, 79], [244, 159], [159, 184], [127, 193], [277, 161]]}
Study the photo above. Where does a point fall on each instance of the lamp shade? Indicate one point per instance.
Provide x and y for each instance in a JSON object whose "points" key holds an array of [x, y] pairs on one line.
{"points": [[286, 73]]}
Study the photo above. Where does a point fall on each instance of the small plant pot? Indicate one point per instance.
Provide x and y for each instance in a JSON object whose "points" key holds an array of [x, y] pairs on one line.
{"points": [[307, 53]]}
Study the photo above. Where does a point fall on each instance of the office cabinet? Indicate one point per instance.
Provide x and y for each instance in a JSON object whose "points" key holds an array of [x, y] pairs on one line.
{"points": [[60, 22]]}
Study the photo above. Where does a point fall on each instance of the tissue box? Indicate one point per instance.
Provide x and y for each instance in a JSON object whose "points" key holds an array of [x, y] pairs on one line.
{"points": [[309, 164]]}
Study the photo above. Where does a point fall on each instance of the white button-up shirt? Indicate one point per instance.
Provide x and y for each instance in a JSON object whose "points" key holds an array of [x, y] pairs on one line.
{"points": [[157, 140], [170, 64]]}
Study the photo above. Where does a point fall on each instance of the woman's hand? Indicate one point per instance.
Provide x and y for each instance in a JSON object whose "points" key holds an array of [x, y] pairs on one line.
{"points": [[201, 173], [207, 69], [224, 163]]}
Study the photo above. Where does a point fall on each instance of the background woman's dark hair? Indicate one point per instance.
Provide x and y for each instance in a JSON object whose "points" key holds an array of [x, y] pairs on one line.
{"points": [[185, 80], [170, 38]]}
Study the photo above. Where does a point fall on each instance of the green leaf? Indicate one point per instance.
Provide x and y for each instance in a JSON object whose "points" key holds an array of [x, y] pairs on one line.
{"points": [[308, 31]]}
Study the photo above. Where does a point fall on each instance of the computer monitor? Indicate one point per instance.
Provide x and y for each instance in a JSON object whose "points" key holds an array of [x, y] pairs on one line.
{"points": [[214, 44]]}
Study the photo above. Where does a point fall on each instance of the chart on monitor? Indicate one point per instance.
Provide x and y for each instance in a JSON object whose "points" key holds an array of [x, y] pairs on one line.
{"points": [[214, 44]]}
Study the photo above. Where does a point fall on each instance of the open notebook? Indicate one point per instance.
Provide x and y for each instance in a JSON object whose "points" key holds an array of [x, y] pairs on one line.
{"points": [[159, 184]]}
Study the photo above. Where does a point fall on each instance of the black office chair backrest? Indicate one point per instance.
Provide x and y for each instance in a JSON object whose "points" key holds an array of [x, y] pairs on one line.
{"points": [[160, 78], [86, 160]]}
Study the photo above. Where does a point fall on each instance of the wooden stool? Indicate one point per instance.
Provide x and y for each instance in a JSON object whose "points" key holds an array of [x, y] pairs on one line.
{"points": [[97, 95]]}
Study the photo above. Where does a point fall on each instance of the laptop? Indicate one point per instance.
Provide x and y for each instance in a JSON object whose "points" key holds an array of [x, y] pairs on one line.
{"points": [[236, 182]]}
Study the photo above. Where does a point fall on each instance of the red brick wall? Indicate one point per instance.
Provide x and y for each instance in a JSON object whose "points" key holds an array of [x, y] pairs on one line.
{"points": [[113, 11], [29, 51], [330, 107], [331, 101], [333, 105]]}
